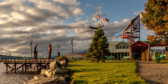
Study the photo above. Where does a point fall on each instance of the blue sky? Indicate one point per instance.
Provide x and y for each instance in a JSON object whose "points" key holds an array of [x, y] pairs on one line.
{"points": [[58, 21], [115, 10]]}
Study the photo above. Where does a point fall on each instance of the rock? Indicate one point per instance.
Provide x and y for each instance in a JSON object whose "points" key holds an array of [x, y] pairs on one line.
{"points": [[63, 63], [35, 78], [67, 77], [61, 71], [52, 72], [43, 71], [48, 80], [54, 64], [49, 72]]}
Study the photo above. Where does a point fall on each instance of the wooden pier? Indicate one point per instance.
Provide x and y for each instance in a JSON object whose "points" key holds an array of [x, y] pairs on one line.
{"points": [[27, 64]]}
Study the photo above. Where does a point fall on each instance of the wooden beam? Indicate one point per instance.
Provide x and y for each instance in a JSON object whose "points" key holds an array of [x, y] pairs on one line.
{"points": [[34, 68], [20, 66], [11, 69], [166, 53], [130, 52]]}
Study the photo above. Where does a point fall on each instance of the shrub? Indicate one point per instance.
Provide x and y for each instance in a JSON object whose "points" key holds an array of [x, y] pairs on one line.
{"points": [[60, 58]]}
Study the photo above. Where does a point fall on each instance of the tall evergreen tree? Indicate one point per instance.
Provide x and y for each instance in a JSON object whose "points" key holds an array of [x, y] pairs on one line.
{"points": [[156, 19], [99, 46]]}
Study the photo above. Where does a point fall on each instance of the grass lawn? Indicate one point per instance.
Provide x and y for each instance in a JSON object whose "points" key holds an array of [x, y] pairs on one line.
{"points": [[110, 72], [163, 62]]}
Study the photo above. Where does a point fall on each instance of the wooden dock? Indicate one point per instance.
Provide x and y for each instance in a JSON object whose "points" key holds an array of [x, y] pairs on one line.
{"points": [[27, 64]]}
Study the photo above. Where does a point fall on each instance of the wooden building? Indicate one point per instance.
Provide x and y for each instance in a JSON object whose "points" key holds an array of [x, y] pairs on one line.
{"points": [[118, 49], [142, 49]]}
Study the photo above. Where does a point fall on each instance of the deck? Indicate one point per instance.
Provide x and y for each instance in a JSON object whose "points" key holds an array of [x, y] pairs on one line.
{"points": [[27, 64]]}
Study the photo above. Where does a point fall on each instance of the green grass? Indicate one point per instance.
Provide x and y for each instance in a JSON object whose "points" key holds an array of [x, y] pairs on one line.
{"points": [[162, 61], [110, 72]]}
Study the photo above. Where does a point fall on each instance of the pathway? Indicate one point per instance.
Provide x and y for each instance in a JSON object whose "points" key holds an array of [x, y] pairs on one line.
{"points": [[153, 73]]}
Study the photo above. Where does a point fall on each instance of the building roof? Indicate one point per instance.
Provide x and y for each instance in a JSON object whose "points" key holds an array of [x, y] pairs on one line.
{"points": [[112, 47], [158, 44]]}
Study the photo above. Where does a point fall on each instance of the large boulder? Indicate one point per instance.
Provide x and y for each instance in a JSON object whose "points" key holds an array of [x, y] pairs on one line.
{"points": [[63, 63], [52, 72], [54, 64], [48, 80]]}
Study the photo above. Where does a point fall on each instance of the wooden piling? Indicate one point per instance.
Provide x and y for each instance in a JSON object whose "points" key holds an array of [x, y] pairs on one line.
{"points": [[6, 68], [15, 67], [25, 67]]}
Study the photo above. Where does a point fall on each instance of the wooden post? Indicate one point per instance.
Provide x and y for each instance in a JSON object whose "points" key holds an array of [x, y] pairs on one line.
{"points": [[117, 56], [37, 66], [149, 53], [120, 56], [139, 28], [15, 67], [24, 67], [30, 65], [130, 52], [6, 68], [166, 53], [131, 32]]}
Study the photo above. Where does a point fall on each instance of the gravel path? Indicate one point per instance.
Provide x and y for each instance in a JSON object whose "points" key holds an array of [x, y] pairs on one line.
{"points": [[153, 73]]}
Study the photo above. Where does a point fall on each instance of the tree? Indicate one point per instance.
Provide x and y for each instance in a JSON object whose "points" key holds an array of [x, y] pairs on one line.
{"points": [[156, 19], [99, 46]]}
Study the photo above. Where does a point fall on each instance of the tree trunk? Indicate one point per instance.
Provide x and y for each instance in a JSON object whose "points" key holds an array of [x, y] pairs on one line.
{"points": [[97, 58], [103, 60]]}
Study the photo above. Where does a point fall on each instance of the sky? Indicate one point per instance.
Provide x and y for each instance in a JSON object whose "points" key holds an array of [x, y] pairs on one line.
{"points": [[58, 21]]}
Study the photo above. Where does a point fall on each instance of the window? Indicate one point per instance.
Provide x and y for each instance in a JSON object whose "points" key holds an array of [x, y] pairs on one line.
{"points": [[123, 47], [117, 47], [127, 47]]}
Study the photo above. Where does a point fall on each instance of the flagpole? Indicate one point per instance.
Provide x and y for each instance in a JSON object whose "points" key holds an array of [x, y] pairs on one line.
{"points": [[97, 16]]}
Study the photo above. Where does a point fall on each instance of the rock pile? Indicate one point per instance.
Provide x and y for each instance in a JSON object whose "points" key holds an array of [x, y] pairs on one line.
{"points": [[56, 74]]}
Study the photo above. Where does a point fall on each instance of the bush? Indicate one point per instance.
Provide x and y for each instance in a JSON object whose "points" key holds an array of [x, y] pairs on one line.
{"points": [[60, 58]]}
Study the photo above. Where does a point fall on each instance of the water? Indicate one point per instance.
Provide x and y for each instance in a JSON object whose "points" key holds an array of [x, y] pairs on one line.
{"points": [[13, 78]]}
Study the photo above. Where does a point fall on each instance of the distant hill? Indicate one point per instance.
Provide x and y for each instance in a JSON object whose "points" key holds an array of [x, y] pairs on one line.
{"points": [[85, 51]]}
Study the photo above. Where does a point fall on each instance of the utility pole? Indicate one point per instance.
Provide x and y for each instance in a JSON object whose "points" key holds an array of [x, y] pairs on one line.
{"points": [[72, 45], [31, 44], [57, 49]]}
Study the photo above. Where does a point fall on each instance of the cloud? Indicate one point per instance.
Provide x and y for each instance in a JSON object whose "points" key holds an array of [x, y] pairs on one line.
{"points": [[137, 13], [126, 20], [78, 19], [88, 5], [44, 22]]}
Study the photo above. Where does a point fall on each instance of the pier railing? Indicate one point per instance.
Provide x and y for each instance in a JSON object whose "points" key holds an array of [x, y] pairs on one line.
{"points": [[20, 61]]}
